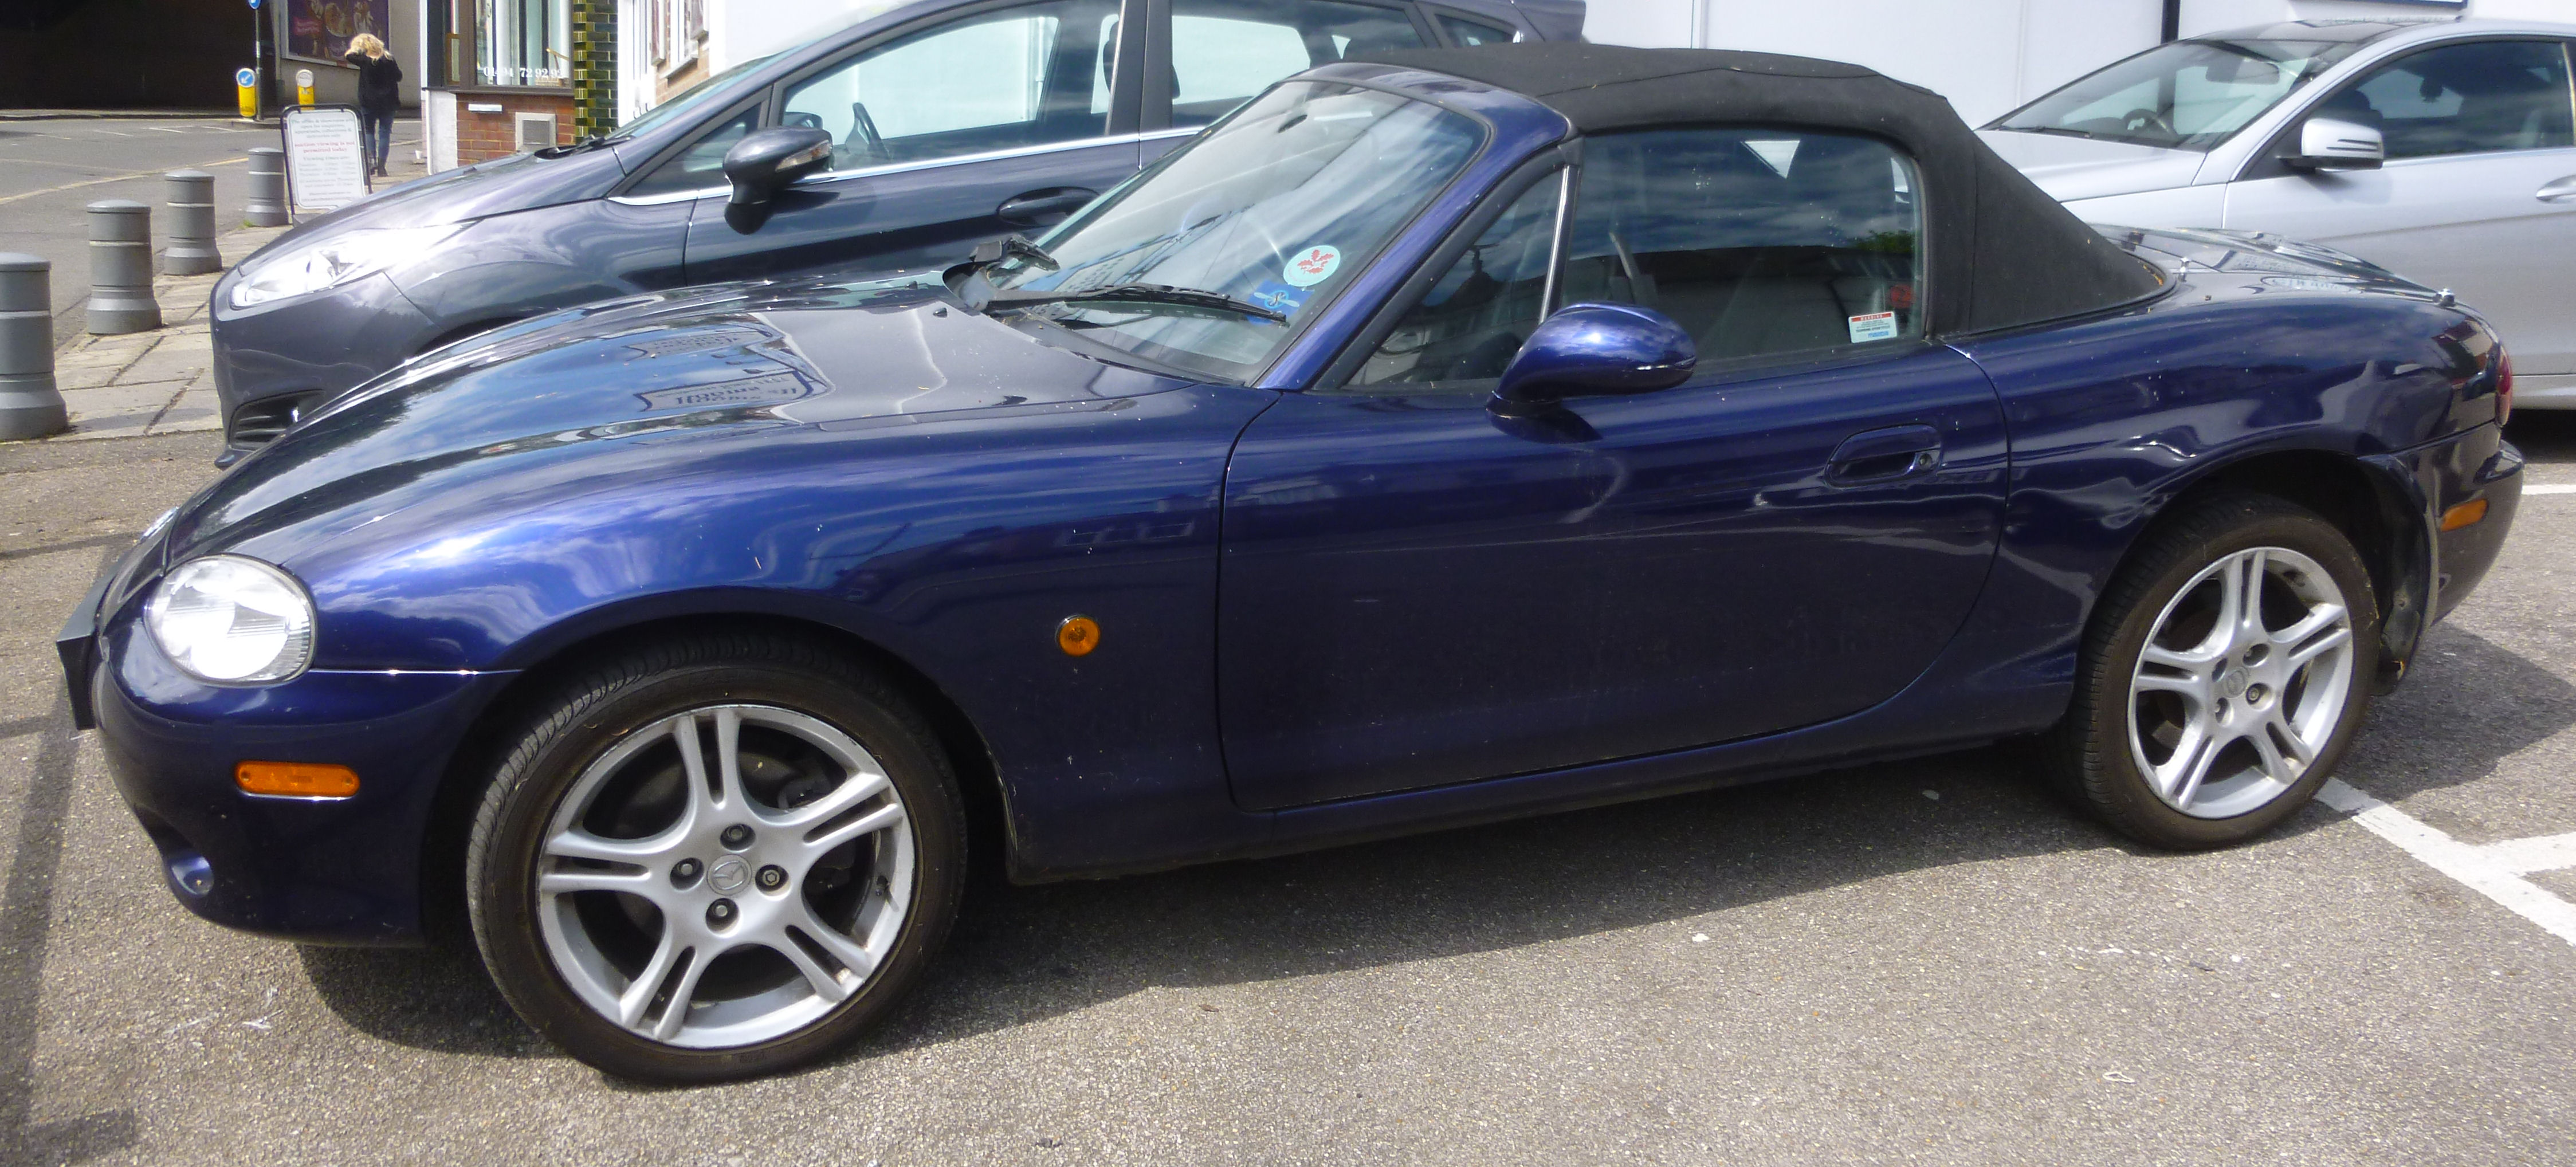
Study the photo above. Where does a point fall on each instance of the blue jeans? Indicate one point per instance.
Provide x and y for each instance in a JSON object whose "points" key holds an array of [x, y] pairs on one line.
{"points": [[376, 133]]}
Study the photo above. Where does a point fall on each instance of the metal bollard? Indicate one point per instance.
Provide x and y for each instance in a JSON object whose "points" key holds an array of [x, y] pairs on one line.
{"points": [[30, 406], [120, 268], [267, 188], [192, 249]]}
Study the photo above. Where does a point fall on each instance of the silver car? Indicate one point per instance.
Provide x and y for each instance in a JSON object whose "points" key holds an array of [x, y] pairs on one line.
{"points": [[2444, 151]]}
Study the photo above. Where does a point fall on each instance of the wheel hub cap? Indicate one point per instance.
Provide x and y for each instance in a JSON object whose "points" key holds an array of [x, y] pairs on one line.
{"points": [[2242, 683], [719, 962]]}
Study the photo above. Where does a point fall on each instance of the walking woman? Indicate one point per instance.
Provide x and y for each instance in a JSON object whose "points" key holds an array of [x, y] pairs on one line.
{"points": [[379, 95]]}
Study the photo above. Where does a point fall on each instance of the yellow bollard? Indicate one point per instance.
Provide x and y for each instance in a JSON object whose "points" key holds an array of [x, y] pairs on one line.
{"points": [[304, 87], [247, 81]]}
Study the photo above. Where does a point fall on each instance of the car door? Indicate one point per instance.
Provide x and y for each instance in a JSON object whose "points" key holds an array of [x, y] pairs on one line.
{"points": [[2478, 193], [1417, 589], [1004, 117], [1209, 56]]}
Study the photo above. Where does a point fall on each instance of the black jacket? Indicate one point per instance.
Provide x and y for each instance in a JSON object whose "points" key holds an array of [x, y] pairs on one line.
{"points": [[379, 83]]}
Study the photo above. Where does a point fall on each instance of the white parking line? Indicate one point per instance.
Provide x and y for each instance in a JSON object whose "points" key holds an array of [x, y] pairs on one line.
{"points": [[2478, 867], [2524, 856], [2552, 489]]}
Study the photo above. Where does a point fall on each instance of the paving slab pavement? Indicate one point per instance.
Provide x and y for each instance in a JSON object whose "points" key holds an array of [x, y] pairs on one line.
{"points": [[141, 384]]}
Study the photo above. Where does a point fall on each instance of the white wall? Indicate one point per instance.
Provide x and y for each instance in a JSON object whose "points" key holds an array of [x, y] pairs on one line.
{"points": [[1986, 56]]}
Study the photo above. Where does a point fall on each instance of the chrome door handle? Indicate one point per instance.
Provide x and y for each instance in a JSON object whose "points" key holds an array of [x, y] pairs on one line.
{"points": [[2560, 191]]}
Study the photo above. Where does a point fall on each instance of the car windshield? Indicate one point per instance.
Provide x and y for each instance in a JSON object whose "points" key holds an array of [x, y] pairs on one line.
{"points": [[713, 91], [1279, 206], [2188, 95]]}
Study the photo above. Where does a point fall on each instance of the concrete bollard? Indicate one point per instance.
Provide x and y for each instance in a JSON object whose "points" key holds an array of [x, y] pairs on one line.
{"points": [[191, 199], [120, 268], [267, 188], [30, 406]]}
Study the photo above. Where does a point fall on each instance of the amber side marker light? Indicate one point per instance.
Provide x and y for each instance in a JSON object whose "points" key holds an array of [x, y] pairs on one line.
{"points": [[1078, 635], [296, 779], [2464, 514]]}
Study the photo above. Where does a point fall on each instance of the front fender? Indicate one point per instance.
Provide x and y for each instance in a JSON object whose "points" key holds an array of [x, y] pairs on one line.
{"points": [[533, 261]]}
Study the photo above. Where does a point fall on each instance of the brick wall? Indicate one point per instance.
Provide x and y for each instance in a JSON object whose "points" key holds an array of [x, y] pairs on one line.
{"points": [[483, 136]]}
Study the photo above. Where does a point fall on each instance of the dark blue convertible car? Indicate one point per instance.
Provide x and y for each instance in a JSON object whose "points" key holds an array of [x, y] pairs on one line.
{"points": [[1455, 435]]}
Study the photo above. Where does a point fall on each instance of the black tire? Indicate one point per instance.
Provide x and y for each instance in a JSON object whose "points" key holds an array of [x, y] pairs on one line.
{"points": [[2088, 755], [588, 716]]}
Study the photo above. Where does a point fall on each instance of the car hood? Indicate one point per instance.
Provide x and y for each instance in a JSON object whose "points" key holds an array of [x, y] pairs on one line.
{"points": [[520, 182], [2085, 168], [588, 398]]}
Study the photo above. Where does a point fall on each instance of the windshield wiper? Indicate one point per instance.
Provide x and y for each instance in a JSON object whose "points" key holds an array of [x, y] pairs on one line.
{"points": [[1012, 246], [593, 142], [1162, 294], [2058, 130]]}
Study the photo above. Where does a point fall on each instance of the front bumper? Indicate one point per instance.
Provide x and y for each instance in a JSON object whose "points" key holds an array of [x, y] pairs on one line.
{"points": [[345, 870], [307, 351]]}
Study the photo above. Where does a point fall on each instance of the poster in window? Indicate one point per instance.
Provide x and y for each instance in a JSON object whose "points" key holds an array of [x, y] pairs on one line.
{"points": [[321, 29]]}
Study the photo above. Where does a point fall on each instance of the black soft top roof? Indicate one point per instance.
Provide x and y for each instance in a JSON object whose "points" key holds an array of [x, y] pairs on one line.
{"points": [[2002, 252]]}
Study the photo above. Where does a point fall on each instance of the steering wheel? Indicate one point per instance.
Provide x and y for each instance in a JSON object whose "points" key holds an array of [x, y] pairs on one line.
{"points": [[863, 133], [2144, 118]]}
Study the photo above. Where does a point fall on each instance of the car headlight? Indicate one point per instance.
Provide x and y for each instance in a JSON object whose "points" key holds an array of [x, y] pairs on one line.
{"points": [[229, 619], [334, 260]]}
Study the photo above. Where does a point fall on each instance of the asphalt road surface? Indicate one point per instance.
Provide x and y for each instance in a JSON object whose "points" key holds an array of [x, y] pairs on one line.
{"points": [[1928, 962]]}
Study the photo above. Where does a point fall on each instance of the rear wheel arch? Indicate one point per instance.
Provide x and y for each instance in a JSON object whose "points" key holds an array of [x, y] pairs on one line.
{"points": [[504, 717], [2371, 510], [2371, 507]]}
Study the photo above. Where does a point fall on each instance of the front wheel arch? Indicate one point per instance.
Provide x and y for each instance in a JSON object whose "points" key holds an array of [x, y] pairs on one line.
{"points": [[504, 715]]}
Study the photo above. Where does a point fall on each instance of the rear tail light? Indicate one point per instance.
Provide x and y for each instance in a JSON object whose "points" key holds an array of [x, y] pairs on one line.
{"points": [[2504, 385]]}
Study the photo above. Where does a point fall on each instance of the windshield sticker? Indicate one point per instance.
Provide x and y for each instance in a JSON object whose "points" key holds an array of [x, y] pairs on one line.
{"points": [[1279, 297], [1875, 326], [1312, 266]]}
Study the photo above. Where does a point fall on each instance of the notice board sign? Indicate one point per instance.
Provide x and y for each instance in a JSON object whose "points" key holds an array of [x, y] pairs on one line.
{"points": [[326, 163]]}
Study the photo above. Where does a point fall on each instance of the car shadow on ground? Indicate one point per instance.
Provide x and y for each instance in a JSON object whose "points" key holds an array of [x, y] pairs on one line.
{"points": [[1022, 954]]}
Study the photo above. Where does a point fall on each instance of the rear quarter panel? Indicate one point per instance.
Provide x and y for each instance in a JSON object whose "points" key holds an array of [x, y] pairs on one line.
{"points": [[2114, 417]]}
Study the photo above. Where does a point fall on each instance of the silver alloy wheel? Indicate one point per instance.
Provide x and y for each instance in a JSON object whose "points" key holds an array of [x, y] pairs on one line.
{"points": [[715, 907], [2241, 683]]}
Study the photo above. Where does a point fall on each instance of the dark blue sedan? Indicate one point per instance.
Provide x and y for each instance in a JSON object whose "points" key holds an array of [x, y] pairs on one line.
{"points": [[1460, 435], [950, 121]]}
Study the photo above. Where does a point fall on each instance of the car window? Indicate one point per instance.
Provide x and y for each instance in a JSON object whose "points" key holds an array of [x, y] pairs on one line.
{"points": [[1281, 207], [1467, 33], [1755, 241], [1224, 51], [1474, 318], [695, 99], [2465, 99], [1030, 75], [701, 164], [2187, 95]]}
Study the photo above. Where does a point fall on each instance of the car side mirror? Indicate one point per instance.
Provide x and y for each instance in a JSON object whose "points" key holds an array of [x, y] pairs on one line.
{"points": [[2335, 144], [1594, 350], [766, 160]]}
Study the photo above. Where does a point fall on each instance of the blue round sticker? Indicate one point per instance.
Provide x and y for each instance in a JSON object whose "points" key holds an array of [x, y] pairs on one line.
{"points": [[244, 77]]}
